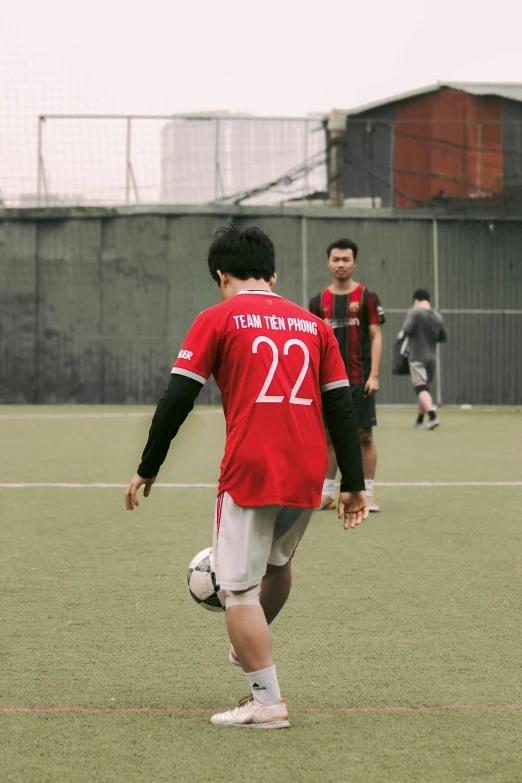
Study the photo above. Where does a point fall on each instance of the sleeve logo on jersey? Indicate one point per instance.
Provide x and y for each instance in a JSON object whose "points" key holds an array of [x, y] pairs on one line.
{"points": [[185, 355]]}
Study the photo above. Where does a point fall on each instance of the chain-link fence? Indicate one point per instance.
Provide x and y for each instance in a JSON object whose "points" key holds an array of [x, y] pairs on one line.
{"points": [[394, 163], [114, 160], [222, 158]]}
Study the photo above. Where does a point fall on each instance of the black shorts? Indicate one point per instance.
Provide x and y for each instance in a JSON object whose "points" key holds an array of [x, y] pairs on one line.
{"points": [[364, 407]]}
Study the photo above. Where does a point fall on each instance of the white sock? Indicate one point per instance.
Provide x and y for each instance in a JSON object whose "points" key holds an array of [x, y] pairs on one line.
{"points": [[368, 484], [329, 488], [265, 687]]}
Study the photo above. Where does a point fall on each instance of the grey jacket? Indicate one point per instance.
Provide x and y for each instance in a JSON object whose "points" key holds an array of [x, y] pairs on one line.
{"points": [[424, 329]]}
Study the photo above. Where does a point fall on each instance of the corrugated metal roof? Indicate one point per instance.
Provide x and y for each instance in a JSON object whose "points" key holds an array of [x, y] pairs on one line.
{"points": [[510, 90]]}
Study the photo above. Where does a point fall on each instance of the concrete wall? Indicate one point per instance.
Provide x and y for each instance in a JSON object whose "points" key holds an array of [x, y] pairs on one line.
{"points": [[94, 303]]}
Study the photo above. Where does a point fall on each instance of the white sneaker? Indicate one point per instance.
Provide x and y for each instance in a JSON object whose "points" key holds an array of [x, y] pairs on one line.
{"points": [[432, 424], [251, 714], [327, 503], [373, 508]]}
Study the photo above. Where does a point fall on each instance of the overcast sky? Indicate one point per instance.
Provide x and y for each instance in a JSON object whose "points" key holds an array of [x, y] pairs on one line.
{"points": [[266, 57]]}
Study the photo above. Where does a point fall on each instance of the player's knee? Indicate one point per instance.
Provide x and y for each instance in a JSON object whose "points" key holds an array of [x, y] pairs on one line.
{"points": [[248, 597], [365, 436], [421, 387]]}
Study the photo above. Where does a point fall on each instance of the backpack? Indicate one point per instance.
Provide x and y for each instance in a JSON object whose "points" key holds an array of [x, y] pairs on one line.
{"points": [[400, 363]]}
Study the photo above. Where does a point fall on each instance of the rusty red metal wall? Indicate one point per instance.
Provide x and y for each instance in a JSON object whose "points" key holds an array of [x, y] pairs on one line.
{"points": [[448, 144]]}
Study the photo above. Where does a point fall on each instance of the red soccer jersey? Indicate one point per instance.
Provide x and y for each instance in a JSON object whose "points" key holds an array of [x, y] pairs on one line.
{"points": [[350, 316], [271, 360]]}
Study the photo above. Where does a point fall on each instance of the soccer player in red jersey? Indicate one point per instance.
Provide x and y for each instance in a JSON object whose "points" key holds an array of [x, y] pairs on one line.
{"points": [[356, 316], [277, 368]]}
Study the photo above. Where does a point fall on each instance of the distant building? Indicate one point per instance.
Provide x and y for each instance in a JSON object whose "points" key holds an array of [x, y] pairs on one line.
{"points": [[207, 157], [449, 141]]}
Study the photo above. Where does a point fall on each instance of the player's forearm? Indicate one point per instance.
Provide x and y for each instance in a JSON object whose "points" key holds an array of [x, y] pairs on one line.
{"points": [[171, 412], [344, 431], [376, 354]]}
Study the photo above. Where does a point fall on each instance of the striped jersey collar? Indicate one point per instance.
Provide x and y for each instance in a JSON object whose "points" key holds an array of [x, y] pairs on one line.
{"points": [[263, 293]]}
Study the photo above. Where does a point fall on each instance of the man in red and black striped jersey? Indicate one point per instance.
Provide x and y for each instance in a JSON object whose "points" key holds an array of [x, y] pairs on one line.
{"points": [[356, 316]]}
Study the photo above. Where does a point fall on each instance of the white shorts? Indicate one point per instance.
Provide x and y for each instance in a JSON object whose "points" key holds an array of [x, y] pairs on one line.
{"points": [[247, 539]]}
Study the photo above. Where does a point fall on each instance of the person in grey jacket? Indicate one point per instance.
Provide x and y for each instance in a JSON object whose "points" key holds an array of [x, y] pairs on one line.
{"points": [[422, 330]]}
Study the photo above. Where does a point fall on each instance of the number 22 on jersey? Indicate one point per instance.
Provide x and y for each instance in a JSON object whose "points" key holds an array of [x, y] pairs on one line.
{"points": [[294, 399]]}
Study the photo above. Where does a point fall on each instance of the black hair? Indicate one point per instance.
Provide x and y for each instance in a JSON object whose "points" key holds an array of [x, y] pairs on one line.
{"points": [[242, 254], [421, 295], [343, 244]]}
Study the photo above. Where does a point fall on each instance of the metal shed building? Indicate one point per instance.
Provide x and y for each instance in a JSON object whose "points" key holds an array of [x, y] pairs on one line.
{"points": [[445, 142]]}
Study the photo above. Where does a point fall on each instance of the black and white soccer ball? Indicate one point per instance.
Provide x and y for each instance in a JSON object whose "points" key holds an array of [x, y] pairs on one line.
{"points": [[201, 581]]}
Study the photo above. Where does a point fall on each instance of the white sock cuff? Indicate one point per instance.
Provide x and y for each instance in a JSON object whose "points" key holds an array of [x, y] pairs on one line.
{"points": [[262, 672], [329, 488], [265, 687], [368, 484]]}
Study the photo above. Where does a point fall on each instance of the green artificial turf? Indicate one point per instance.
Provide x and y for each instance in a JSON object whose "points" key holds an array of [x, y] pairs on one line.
{"points": [[420, 606]]}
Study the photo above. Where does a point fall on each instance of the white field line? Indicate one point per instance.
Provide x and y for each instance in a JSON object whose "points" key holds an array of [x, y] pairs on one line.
{"points": [[130, 415], [72, 485], [204, 410], [448, 483], [392, 484]]}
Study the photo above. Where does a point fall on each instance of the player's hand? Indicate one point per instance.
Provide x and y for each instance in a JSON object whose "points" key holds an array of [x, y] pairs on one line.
{"points": [[131, 496], [372, 386], [353, 506]]}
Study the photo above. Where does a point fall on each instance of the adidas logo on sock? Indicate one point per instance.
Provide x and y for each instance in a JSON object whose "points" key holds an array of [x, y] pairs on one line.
{"points": [[256, 687]]}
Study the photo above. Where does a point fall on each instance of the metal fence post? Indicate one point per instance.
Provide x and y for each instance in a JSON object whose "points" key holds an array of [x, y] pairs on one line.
{"points": [[216, 162], [436, 302], [305, 158], [41, 177], [39, 162], [304, 261], [128, 161], [337, 128], [392, 164]]}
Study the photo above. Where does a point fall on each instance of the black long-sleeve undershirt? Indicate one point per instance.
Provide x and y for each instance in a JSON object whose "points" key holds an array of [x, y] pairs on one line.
{"points": [[171, 412], [178, 400], [341, 421]]}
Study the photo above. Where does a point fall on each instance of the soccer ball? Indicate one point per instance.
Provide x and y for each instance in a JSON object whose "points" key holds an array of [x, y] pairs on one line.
{"points": [[201, 581]]}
